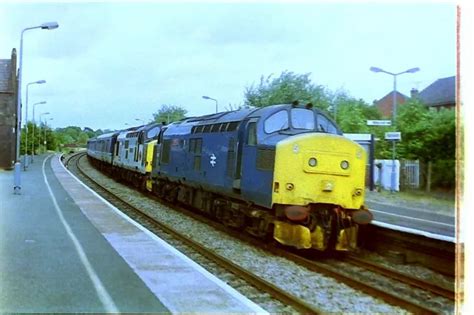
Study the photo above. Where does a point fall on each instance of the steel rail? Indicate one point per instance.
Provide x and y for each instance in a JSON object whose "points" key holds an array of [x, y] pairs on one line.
{"points": [[394, 274], [261, 284]]}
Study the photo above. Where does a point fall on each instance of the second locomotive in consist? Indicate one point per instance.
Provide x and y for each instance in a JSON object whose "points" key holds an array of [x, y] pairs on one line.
{"points": [[282, 171]]}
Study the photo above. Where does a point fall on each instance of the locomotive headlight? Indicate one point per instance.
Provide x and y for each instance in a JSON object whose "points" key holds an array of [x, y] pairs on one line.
{"points": [[312, 162], [344, 165]]}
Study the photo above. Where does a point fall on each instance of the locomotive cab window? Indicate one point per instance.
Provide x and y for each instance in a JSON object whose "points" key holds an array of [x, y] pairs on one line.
{"points": [[325, 125], [252, 133], [302, 118], [276, 122], [153, 132]]}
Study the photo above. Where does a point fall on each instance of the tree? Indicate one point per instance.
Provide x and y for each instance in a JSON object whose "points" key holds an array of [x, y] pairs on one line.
{"points": [[169, 113], [352, 114], [429, 136], [285, 89], [413, 121]]}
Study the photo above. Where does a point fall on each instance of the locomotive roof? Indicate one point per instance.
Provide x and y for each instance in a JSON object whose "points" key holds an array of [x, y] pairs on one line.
{"points": [[107, 135], [185, 126]]}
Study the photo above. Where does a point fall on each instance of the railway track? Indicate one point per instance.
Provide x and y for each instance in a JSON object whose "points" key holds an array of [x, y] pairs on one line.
{"points": [[326, 267], [259, 283], [415, 282]]}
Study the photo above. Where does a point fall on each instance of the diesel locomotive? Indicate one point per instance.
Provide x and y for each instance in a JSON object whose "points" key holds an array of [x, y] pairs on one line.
{"points": [[283, 172]]}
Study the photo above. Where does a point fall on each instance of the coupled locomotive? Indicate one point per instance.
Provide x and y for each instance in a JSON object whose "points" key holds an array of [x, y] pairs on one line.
{"points": [[284, 172]]}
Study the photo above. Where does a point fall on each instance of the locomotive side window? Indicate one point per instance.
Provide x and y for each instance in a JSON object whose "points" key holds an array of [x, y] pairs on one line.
{"points": [[277, 121], [302, 118], [232, 126], [195, 146], [165, 157], [207, 128], [215, 127], [198, 146], [325, 125], [252, 133], [192, 145]]}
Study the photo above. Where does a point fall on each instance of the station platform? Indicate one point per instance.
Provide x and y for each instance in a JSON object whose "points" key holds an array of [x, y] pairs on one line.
{"points": [[64, 249]]}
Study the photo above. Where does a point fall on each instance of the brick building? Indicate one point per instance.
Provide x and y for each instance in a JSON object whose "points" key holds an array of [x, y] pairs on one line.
{"points": [[8, 109], [385, 104]]}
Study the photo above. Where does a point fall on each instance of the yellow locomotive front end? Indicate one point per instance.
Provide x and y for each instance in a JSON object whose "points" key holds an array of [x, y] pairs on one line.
{"points": [[318, 191]]}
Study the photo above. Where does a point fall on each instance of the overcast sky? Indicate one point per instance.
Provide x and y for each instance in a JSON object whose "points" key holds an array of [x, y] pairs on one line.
{"points": [[108, 64]]}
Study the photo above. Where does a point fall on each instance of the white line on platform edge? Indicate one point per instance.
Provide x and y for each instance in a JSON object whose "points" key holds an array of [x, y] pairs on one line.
{"points": [[257, 309], [102, 293], [413, 231]]}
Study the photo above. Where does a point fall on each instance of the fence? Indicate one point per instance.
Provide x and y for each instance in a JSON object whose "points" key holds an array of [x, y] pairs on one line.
{"points": [[407, 174], [410, 174]]}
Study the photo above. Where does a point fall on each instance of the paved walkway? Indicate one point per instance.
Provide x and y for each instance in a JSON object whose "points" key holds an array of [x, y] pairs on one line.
{"points": [[399, 200], [64, 250], [41, 268]]}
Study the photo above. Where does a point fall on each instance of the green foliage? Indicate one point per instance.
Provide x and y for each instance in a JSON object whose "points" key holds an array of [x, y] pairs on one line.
{"points": [[285, 89], [442, 136], [427, 135], [443, 174], [73, 135], [169, 113], [351, 114], [413, 121]]}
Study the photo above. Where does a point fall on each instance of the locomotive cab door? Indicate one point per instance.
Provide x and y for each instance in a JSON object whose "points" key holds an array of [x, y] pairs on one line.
{"points": [[255, 184]]}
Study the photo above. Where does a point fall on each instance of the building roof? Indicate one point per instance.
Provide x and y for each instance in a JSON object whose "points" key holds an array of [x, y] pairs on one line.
{"points": [[440, 92], [389, 97]]}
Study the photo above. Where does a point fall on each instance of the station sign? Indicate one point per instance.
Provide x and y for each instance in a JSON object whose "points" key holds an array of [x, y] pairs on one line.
{"points": [[393, 135], [379, 123]]}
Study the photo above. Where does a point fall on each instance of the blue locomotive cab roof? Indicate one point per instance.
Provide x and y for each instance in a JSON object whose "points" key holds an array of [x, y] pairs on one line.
{"points": [[274, 122]]}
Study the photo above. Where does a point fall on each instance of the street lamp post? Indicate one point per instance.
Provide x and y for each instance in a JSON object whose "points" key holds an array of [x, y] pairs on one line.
{"points": [[34, 127], [210, 98], [25, 165], [17, 173], [394, 112]]}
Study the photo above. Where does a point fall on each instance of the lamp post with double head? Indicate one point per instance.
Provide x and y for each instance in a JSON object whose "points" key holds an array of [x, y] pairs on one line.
{"points": [[210, 98], [25, 165], [34, 127], [17, 180], [394, 111]]}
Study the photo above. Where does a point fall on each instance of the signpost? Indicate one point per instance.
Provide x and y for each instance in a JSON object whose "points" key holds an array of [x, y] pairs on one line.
{"points": [[396, 136], [379, 123]]}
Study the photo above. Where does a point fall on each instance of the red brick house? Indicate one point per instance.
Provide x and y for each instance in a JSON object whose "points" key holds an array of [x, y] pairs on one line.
{"points": [[385, 104], [8, 107]]}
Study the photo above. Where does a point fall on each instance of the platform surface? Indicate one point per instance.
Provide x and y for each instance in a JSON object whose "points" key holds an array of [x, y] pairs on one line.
{"points": [[64, 249]]}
